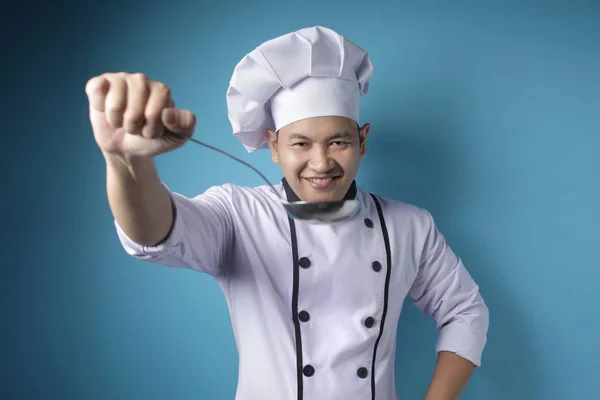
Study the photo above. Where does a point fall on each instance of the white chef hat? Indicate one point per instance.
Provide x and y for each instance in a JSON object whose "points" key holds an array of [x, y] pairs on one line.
{"points": [[308, 73]]}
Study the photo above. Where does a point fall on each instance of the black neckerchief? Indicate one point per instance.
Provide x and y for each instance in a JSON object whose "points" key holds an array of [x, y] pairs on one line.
{"points": [[291, 195]]}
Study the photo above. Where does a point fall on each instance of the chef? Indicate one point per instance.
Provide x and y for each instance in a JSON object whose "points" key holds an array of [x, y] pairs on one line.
{"points": [[314, 305]]}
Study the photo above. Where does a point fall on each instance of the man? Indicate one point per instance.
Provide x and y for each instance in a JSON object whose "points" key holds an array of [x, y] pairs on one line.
{"points": [[314, 305]]}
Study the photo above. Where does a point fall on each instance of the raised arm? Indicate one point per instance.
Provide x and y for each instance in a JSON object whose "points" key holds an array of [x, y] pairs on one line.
{"points": [[129, 115]]}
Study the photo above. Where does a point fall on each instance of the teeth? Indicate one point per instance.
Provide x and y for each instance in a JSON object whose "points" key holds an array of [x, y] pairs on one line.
{"points": [[321, 180]]}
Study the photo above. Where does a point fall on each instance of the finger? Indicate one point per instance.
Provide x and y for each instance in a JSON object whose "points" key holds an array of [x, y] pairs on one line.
{"points": [[160, 98], [96, 89], [137, 96], [116, 100], [179, 121]]}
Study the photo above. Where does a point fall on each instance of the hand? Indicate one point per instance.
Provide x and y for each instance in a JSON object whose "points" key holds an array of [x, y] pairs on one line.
{"points": [[131, 114]]}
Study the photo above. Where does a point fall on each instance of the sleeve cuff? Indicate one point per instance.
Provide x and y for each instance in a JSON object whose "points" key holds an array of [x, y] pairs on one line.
{"points": [[462, 339], [167, 245]]}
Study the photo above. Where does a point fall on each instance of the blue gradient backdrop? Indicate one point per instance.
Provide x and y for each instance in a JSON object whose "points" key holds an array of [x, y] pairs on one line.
{"points": [[488, 115]]}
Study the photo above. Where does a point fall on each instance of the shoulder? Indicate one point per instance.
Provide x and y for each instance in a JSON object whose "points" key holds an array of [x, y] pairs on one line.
{"points": [[401, 213]]}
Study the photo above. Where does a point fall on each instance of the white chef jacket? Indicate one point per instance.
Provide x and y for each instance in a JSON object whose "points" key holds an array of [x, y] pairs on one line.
{"points": [[315, 306]]}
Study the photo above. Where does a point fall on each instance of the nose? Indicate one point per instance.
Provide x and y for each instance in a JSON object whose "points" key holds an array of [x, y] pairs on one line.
{"points": [[320, 161]]}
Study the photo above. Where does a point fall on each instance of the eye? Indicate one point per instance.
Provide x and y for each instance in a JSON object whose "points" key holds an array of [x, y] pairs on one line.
{"points": [[299, 144], [339, 143]]}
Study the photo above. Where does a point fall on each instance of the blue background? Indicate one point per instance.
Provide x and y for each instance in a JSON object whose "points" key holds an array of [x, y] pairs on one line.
{"points": [[486, 114]]}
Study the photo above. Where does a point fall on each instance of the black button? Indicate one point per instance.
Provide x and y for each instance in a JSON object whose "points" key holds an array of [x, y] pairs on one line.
{"points": [[304, 316], [304, 262], [308, 370], [376, 266], [369, 322], [368, 223], [362, 372]]}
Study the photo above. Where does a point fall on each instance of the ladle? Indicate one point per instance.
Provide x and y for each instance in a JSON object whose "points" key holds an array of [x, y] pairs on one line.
{"points": [[323, 211]]}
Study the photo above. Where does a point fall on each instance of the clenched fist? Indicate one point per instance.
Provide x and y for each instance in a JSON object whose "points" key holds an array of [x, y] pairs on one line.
{"points": [[132, 115]]}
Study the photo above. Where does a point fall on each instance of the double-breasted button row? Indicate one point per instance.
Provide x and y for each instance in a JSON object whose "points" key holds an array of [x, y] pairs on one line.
{"points": [[305, 263], [309, 371], [304, 316]]}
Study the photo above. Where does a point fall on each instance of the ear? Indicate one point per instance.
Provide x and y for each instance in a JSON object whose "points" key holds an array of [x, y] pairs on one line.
{"points": [[271, 137], [362, 134]]}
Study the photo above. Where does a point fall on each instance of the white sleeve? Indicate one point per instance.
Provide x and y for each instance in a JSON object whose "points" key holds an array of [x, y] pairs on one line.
{"points": [[445, 290], [200, 238]]}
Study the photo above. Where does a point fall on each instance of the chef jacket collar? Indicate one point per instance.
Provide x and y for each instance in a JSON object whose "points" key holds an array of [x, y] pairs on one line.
{"points": [[291, 195]]}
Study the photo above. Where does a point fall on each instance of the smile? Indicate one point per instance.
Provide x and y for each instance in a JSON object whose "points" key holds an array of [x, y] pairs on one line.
{"points": [[321, 183]]}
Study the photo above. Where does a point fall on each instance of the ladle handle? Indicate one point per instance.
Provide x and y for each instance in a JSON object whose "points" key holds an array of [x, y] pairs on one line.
{"points": [[185, 137]]}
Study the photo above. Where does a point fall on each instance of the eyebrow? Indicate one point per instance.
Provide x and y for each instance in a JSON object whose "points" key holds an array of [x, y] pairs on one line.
{"points": [[337, 135]]}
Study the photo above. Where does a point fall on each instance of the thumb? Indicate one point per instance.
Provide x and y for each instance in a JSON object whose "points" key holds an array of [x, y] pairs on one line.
{"points": [[179, 121]]}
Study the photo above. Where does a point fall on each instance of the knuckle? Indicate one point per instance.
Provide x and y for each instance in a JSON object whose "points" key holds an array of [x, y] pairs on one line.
{"points": [[115, 106], [133, 117], [115, 77], [116, 81], [162, 89], [138, 78]]}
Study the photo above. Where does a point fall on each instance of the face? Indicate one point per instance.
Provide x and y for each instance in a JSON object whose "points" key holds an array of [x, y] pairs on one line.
{"points": [[319, 156]]}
